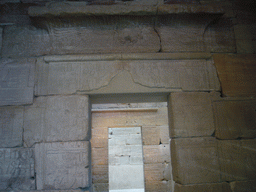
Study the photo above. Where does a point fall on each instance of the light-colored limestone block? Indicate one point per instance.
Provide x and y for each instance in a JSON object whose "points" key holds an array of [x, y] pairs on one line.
{"points": [[220, 187], [17, 169], [235, 119], [237, 74], [56, 118], [241, 186], [17, 81], [156, 153], [25, 42], [195, 160], [11, 126], [127, 76], [237, 159], [190, 114], [62, 165]]}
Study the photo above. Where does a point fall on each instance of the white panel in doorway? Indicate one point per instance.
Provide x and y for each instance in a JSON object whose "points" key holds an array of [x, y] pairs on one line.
{"points": [[126, 172]]}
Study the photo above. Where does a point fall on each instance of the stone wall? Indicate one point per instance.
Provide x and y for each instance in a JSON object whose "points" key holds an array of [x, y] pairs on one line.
{"points": [[57, 56]]}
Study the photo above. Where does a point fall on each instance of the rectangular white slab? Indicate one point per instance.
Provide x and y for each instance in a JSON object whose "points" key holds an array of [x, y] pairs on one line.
{"points": [[16, 82], [125, 159], [11, 126], [56, 118], [62, 165], [17, 169]]}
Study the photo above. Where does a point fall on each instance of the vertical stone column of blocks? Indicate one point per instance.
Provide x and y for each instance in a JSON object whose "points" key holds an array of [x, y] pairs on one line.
{"points": [[17, 81], [62, 165], [57, 118]]}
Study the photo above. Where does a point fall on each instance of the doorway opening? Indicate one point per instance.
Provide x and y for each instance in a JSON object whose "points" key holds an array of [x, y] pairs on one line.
{"points": [[150, 120]]}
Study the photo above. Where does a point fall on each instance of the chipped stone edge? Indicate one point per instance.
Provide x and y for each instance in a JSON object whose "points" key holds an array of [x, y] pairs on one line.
{"points": [[131, 56]]}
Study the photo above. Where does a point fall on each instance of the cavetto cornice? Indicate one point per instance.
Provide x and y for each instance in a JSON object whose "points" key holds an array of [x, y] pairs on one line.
{"points": [[76, 9]]}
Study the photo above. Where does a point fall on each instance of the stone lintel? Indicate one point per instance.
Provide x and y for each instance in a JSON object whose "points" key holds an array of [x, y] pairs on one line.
{"points": [[69, 9], [128, 56]]}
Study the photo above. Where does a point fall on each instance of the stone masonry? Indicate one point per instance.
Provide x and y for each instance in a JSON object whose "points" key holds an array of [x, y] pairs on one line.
{"points": [[60, 58]]}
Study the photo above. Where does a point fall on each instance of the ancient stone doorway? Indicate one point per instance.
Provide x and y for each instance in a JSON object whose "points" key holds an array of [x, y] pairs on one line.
{"points": [[153, 119]]}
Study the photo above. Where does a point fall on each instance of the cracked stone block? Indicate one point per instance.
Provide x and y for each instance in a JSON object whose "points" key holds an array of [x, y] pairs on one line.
{"points": [[236, 74], [220, 187], [235, 119], [17, 81], [237, 159], [22, 41], [241, 186], [156, 153], [17, 169], [190, 114], [11, 126], [62, 165], [59, 77], [195, 160], [56, 118]]}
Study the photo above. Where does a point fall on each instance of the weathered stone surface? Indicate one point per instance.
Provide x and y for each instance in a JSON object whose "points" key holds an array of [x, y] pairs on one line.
{"points": [[220, 187], [235, 119], [150, 136], [11, 126], [99, 173], [244, 37], [156, 153], [219, 36], [237, 159], [237, 74], [17, 81], [17, 169], [241, 186], [56, 118], [63, 165], [140, 75], [195, 160], [99, 137], [1, 39], [154, 172], [158, 186], [99, 156], [25, 42], [190, 114], [100, 187]]}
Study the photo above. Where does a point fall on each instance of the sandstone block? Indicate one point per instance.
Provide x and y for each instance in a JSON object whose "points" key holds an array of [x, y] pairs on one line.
{"points": [[56, 118], [17, 81], [237, 74], [195, 160], [190, 114], [100, 174], [150, 136], [100, 187], [99, 156], [154, 172], [99, 137], [241, 186], [17, 169], [63, 165], [237, 159], [235, 119], [24, 42], [129, 76], [156, 153], [157, 186], [220, 187], [11, 126]]}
